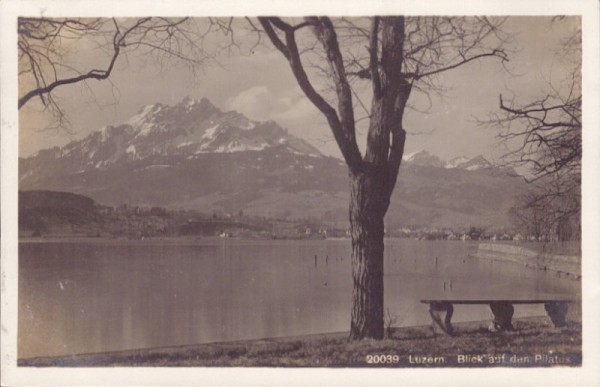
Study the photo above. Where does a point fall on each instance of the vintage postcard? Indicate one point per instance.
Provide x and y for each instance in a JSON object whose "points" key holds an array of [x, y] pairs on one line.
{"points": [[288, 194]]}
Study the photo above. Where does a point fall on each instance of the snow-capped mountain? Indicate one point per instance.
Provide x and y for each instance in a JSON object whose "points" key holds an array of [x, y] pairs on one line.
{"points": [[194, 127], [167, 155], [455, 162], [188, 129], [424, 158], [476, 163], [193, 155]]}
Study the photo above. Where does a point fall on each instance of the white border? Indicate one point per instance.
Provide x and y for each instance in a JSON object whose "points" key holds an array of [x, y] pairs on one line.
{"points": [[587, 375]]}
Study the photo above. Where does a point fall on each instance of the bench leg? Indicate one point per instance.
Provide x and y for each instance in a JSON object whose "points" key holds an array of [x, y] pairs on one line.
{"points": [[436, 309], [503, 313], [557, 311]]}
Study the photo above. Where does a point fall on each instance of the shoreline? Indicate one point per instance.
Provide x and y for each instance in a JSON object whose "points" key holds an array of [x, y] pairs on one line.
{"points": [[533, 336], [568, 266]]}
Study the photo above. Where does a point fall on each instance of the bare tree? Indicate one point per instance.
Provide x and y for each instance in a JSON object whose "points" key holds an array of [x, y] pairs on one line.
{"points": [[550, 209], [550, 139], [545, 133], [44, 45], [531, 219], [396, 55], [544, 136]]}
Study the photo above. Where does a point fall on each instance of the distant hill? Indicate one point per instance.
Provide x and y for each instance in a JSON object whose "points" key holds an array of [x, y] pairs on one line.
{"points": [[64, 214], [193, 155], [39, 211]]}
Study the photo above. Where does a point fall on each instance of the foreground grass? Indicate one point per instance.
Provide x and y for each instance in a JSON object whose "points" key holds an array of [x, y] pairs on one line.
{"points": [[533, 336]]}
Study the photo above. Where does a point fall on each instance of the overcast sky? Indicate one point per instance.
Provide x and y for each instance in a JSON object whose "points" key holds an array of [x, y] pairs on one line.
{"points": [[261, 86]]}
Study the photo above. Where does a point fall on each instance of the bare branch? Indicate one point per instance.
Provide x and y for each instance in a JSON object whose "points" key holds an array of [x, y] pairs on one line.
{"points": [[266, 23], [325, 32], [495, 53], [44, 41], [544, 135], [343, 136], [373, 59]]}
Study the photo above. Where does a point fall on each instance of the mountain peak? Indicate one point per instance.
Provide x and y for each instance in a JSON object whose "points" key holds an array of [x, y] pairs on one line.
{"points": [[480, 158], [424, 158], [191, 103], [469, 164], [476, 163], [455, 162], [184, 130], [187, 100]]}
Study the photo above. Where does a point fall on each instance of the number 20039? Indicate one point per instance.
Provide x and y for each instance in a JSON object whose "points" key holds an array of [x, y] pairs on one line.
{"points": [[382, 359]]}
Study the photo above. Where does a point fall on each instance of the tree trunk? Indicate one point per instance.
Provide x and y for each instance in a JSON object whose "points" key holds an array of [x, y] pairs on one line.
{"points": [[368, 204]]}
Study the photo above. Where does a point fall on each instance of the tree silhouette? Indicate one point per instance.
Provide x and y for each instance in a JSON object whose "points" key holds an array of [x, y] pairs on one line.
{"points": [[544, 135], [396, 55]]}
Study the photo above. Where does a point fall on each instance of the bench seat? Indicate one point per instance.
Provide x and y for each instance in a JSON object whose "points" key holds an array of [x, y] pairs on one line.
{"points": [[441, 311]]}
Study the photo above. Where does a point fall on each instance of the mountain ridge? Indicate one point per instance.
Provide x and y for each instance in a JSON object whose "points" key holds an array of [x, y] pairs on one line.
{"points": [[189, 128], [193, 155], [425, 158]]}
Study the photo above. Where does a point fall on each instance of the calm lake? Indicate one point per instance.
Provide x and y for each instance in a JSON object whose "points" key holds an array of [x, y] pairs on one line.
{"points": [[92, 296]]}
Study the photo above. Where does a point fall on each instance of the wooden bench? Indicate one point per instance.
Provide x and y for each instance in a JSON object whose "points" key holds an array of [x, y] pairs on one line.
{"points": [[441, 311]]}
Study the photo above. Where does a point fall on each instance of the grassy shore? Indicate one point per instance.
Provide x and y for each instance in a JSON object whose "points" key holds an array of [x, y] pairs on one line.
{"points": [[533, 343]]}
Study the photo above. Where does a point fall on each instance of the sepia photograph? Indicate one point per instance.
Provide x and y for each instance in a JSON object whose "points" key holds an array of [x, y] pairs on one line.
{"points": [[297, 190]]}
